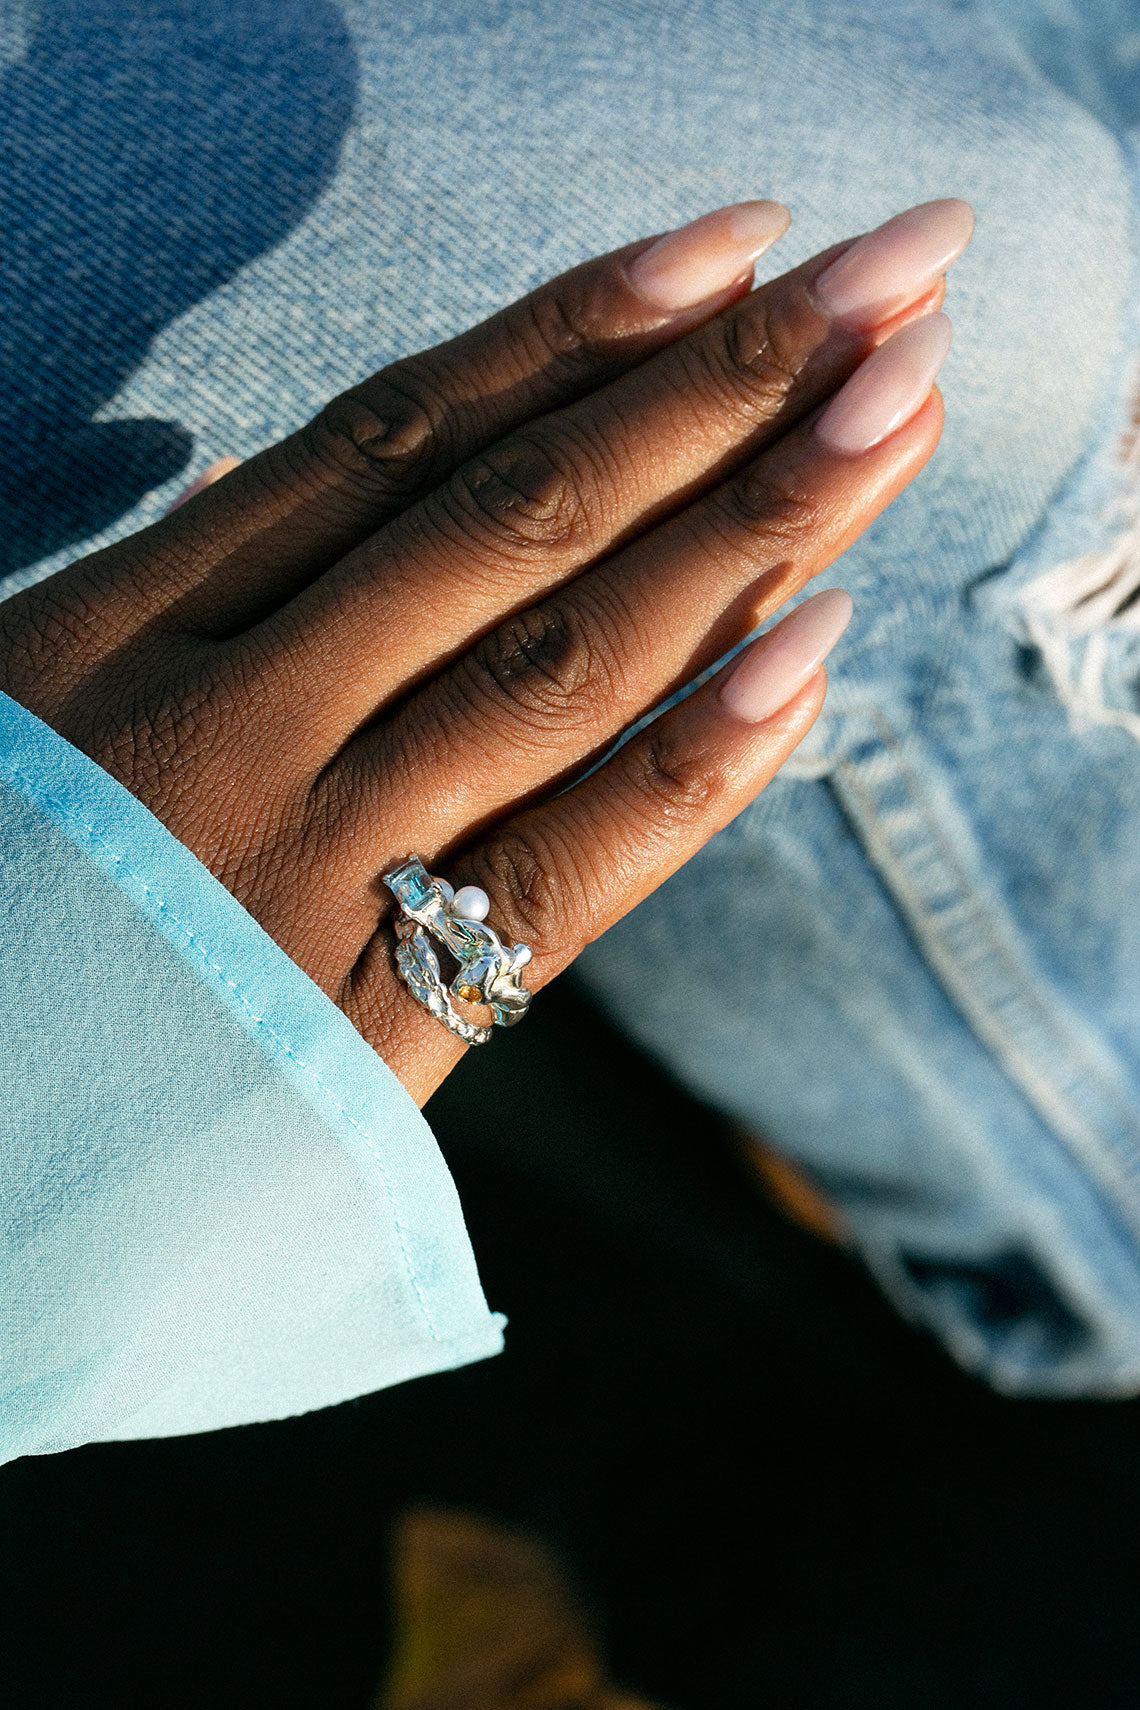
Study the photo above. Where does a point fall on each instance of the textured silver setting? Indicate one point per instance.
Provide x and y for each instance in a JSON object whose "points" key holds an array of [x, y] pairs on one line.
{"points": [[488, 969]]}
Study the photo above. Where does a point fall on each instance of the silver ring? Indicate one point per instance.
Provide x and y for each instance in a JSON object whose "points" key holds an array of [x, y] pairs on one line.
{"points": [[488, 968]]}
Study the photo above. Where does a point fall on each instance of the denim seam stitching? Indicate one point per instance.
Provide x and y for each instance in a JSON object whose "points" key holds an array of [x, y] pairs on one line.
{"points": [[998, 950], [37, 793], [999, 953]]}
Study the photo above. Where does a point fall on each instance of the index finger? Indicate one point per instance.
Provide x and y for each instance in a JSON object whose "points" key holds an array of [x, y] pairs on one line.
{"points": [[551, 500], [298, 506]]}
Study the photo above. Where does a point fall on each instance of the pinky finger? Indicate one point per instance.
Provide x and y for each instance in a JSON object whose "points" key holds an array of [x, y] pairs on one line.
{"points": [[559, 874]]}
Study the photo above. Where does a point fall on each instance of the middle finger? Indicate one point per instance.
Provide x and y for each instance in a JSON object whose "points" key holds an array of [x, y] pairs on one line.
{"points": [[549, 691]]}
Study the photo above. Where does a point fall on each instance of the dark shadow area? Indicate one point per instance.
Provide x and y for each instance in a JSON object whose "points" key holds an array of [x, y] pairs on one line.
{"points": [[148, 150], [771, 1492]]}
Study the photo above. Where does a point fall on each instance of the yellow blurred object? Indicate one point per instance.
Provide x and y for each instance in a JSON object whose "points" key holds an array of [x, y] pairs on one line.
{"points": [[792, 1191], [485, 1620]]}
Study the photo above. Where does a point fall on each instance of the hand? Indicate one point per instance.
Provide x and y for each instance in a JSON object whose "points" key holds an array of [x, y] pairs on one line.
{"points": [[406, 627]]}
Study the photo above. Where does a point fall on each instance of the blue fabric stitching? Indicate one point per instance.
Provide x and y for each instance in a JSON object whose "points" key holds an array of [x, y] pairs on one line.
{"points": [[37, 793]]}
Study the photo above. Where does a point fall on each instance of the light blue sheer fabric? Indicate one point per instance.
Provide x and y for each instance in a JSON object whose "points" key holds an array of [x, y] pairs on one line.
{"points": [[219, 1205], [914, 963]]}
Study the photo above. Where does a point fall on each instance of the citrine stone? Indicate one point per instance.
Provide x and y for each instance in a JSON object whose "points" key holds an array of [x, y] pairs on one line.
{"points": [[470, 994]]}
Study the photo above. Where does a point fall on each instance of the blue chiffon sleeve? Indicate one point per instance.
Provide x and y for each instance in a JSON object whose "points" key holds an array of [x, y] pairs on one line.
{"points": [[217, 1204]]}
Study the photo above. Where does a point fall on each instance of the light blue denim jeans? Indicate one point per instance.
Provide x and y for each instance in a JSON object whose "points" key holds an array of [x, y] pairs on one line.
{"points": [[914, 963]]}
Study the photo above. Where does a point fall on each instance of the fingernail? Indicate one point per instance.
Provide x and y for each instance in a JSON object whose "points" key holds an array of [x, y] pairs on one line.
{"points": [[773, 669], [887, 389], [695, 262], [890, 267], [206, 479]]}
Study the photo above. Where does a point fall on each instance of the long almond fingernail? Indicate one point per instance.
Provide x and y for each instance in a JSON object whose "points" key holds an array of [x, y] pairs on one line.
{"points": [[892, 266], [221, 467], [776, 667], [699, 260], [889, 387]]}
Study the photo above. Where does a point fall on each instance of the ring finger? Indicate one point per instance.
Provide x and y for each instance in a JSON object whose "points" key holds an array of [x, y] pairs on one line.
{"points": [[559, 874], [299, 505]]}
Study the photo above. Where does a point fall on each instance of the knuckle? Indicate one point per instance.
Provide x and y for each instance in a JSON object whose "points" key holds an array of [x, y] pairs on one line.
{"points": [[770, 502], [544, 664], [758, 357], [676, 786], [567, 327], [387, 434], [523, 498], [524, 874]]}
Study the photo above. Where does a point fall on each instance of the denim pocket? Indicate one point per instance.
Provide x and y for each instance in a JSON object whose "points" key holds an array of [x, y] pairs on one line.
{"points": [[902, 804], [1034, 1297]]}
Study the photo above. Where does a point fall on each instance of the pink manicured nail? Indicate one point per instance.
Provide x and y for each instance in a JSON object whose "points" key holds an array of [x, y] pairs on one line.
{"points": [[889, 388], [773, 669], [695, 262], [892, 266]]}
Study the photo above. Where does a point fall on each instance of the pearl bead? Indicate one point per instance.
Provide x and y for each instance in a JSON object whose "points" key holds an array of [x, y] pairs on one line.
{"points": [[471, 903]]}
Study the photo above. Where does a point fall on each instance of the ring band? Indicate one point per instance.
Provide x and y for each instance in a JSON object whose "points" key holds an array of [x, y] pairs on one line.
{"points": [[488, 968]]}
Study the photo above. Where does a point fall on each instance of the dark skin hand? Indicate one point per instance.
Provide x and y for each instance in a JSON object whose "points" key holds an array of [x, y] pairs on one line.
{"points": [[407, 626]]}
